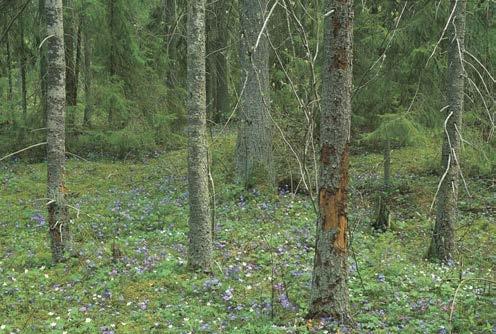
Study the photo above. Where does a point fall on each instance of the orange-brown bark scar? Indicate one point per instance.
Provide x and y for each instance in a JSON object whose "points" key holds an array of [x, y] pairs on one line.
{"points": [[328, 205], [340, 241], [333, 204]]}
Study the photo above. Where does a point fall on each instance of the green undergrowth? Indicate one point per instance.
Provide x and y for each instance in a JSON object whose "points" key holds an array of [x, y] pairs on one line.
{"points": [[263, 253]]}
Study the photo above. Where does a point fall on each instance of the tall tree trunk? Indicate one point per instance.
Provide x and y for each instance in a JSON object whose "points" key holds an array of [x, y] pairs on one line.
{"points": [[221, 61], [170, 40], [210, 64], [200, 232], [57, 209], [22, 71], [43, 60], [10, 93], [70, 84], [329, 294], [77, 65], [112, 55], [442, 245], [217, 79], [254, 142], [88, 106]]}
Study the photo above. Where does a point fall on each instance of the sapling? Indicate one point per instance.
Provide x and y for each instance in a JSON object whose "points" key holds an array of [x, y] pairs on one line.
{"points": [[394, 130]]}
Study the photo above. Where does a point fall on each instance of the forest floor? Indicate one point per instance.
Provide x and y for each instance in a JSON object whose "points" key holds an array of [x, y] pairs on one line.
{"points": [[263, 254]]}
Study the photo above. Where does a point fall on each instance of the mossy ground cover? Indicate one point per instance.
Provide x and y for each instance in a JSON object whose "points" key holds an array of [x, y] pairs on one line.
{"points": [[263, 253]]}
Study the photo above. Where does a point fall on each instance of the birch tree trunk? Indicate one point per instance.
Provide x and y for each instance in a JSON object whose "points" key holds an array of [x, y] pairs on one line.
{"points": [[443, 239], [254, 142], [200, 232], [329, 293], [57, 209]]}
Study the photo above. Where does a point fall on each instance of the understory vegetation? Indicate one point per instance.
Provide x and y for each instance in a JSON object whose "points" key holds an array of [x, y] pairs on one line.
{"points": [[128, 273]]}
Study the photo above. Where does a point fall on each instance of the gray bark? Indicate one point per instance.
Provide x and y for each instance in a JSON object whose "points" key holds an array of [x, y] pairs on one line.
{"points": [[200, 232], [442, 245], [254, 142], [57, 209], [329, 293]]}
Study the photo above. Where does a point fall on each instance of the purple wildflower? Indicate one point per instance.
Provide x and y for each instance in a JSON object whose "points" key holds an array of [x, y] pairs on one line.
{"points": [[228, 294], [37, 217], [211, 283]]}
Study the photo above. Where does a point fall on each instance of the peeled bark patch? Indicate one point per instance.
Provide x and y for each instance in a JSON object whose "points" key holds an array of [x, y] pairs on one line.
{"points": [[333, 204], [329, 294]]}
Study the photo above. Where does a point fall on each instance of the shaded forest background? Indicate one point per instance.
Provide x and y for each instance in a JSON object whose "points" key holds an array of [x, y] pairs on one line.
{"points": [[126, 85]]}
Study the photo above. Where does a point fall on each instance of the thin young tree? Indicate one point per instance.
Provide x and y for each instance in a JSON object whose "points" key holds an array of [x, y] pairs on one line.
{"points": [[443, 238], [254, 142], [329, 292], [200, 232], [55, 102]]}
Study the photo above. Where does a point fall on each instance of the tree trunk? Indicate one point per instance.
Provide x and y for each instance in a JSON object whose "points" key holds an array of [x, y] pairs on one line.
{"points": [[88, 106], [70, 84], [57, 209], [170, 40], [22, 71], [221, 62], [383, 221], [10, 93], [329, 294], [77, 64], [254, 142], [442, 245], [200, 232], [112, 55], [43, 61], [217, 72]]}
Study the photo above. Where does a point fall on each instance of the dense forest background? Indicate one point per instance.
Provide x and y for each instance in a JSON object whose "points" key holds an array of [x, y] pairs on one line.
{"points": [[128, 100], [126, 76]]}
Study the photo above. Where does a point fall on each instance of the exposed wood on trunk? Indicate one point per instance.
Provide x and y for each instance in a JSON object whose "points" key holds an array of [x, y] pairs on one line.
{"points": [[329, 294]]}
